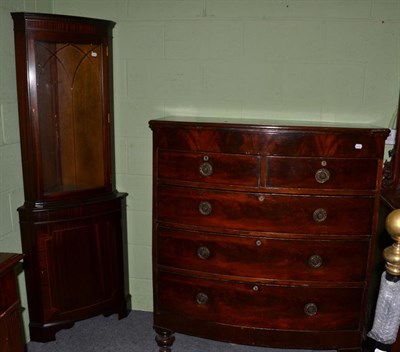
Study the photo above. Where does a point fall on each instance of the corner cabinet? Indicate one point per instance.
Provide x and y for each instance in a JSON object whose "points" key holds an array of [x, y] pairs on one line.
{"points": [[264, 232], [73, 221]]}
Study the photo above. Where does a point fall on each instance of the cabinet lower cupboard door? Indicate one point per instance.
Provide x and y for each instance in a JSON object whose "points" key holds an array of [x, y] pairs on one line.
{"points": [[77, 259], [71, 261]]}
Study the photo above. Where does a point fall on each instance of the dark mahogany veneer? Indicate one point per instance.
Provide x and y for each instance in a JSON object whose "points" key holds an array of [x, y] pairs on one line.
{"points": [[263, 232], [11, 327], [73, 220]]}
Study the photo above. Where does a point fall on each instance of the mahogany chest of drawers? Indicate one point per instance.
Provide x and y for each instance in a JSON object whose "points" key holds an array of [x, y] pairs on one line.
{"points": [[263, 233]]}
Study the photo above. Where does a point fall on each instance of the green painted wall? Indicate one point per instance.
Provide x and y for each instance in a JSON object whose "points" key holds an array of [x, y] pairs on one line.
{"points": [[323, 60]]}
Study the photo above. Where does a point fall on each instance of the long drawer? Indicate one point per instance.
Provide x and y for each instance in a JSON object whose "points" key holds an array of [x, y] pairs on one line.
{"points": [[274, 141], [260, 257], [306, 214], [260, 306]]}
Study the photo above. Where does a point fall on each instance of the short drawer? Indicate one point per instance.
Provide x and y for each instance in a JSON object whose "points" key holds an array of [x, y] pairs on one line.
{"points": [[305, 214], [325, 173], [280, 259], [232, 169], [259, 305]]}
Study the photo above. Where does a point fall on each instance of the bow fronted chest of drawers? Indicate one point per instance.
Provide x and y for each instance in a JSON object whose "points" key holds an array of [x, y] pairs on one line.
{"points": [[264, 233]]}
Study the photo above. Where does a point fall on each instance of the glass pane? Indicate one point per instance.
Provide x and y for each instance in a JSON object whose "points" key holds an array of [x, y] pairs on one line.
{"points": [[69, 91]]}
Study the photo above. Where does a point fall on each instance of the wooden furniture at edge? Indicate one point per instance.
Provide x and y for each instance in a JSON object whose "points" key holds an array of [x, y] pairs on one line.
{"points": [[391, 196], [73, 220], [11, 328], [263, 233]]}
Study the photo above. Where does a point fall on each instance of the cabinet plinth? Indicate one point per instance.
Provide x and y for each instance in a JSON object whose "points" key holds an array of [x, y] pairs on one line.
{"points": [[73, 221], [264, 234]]}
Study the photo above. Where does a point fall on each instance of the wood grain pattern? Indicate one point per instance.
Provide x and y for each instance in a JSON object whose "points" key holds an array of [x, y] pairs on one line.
{"points": [[266, 249], [73, 220]]}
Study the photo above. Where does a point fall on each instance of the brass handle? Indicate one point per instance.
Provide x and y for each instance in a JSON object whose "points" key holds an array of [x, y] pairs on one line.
{"points": [[203, 253], [315, 261], [205, 208], [206, 169], [310, 309], [201, 298], [322, 175], [320, 215]]}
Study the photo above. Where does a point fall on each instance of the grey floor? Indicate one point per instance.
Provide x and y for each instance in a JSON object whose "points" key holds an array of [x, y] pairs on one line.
{"points": [[132, 334]]}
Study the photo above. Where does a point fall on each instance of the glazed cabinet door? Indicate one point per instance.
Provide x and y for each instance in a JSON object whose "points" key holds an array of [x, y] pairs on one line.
{"points": [[69, 102], [63, 78]]}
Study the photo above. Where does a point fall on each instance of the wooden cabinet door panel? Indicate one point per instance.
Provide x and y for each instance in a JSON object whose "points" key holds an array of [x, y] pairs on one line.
{"points": [[79, 265]]}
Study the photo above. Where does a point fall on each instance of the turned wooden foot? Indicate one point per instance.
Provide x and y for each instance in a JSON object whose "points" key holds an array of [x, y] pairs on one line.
{"points": [[164, 339]]}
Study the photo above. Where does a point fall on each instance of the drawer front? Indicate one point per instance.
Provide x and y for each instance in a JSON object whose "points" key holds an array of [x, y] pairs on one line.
{"points": [[260, 306], [328, 144], [232, 169], [272, 141], [281, 259], [324, 173], [265, 212], [8, 291]]}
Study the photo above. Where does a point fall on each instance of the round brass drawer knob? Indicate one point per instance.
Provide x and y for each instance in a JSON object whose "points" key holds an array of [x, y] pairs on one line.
{"points": [[205, 208], [310, 309], [322, 175], [320, 215], [203, 253], [315, 261], [206, 169], [201, 298]]}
